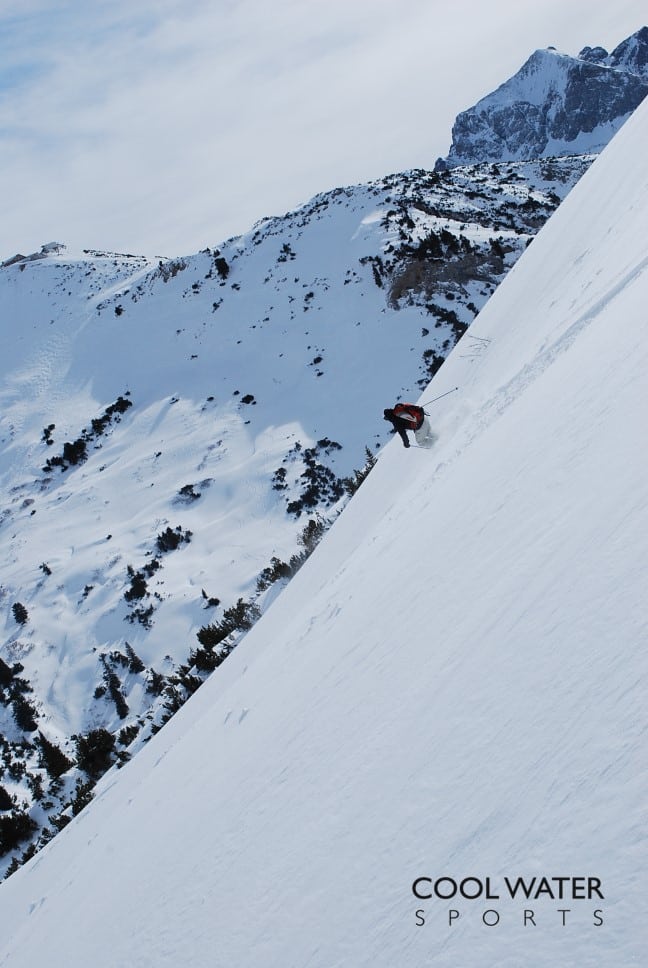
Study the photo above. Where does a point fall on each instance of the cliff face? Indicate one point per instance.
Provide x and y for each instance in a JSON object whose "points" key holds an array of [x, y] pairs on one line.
{"points": [[631, 55], [554, 105]]}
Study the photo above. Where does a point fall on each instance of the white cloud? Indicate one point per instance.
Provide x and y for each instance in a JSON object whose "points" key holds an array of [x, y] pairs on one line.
{"points": [[164, 126]]}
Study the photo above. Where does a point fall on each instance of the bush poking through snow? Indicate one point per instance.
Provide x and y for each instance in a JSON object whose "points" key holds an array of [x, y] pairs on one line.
{"points": [[14, 829], [237, 618], [211, 600], [24, 715], [82, 796], [128, 734], [20, 613], [113, 685], [275, 571], [312, 534], [318, 483], [169, 540], [95, 752], [142, 615], [138, 588], [52, 759], [187, 494], [135, 664], [351, 484], [7, 673], [76, 451], [221, 266]]}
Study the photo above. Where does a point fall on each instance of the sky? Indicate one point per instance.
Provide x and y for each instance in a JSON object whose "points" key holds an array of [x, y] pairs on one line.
{"points": [[164, 126]]}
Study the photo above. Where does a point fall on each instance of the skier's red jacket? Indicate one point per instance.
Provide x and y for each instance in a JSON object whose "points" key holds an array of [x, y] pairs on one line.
{"points": [[411, 413]]}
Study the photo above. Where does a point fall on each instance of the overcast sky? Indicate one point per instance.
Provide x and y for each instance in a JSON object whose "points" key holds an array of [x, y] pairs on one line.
{"points": [[164, 126]]}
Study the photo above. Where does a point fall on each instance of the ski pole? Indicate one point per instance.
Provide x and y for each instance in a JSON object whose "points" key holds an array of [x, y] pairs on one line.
{"points": [[428, 402]]}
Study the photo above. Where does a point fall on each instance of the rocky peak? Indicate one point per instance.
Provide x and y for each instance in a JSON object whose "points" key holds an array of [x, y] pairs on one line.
{"points": [[632, 54], [50, 248], [555, 105], [594, 55]]}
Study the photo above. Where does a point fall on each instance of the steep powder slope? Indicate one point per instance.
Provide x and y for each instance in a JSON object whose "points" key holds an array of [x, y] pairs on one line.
{"points": [[168, 430], [449, 687]]}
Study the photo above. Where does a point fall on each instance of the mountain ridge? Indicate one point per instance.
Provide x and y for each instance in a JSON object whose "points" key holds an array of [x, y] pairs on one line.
{"points": [[200, 420], [173, 430], [554, 105]]}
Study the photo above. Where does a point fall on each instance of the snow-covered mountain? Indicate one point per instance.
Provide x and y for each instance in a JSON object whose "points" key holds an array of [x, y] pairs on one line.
{"points": [[631, 55], [554, 105], [449, 691], [172, 432]]}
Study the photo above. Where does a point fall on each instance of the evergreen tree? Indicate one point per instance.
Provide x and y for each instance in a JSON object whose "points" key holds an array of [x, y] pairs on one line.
{"points": [[94, 752], [53, 759]]}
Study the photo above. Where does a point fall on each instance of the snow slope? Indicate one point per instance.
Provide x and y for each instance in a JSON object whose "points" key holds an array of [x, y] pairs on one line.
{"points": [[449, 687], [296, 335]]}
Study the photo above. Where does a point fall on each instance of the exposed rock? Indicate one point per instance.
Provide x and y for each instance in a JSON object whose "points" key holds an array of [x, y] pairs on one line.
{"points": [[555, 105], [51, 248], [632, 54]]}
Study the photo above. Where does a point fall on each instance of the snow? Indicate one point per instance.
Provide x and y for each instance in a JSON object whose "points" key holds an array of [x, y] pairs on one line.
{"points": [[66, 353], [450, 687]]}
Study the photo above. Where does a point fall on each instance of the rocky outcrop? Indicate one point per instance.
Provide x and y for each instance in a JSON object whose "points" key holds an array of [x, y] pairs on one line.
{"points": [[631, 55], [51, 248]]}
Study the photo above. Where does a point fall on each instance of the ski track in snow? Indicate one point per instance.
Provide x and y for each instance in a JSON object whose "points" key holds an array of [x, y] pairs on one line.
{"points": [[493, 408]]}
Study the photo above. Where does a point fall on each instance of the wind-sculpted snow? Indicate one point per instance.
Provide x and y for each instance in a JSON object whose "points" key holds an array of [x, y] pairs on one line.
{"points": [[428, 751]]}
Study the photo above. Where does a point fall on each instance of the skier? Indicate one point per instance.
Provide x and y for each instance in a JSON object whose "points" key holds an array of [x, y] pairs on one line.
{"points": [[407, 416]]}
